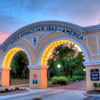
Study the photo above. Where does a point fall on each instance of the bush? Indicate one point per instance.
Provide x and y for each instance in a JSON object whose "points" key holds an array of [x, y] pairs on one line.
{"points": [[2, 91], [6, 90], [16, 88], [76, 78], [95, 85], [60, 80], [99, 85]]}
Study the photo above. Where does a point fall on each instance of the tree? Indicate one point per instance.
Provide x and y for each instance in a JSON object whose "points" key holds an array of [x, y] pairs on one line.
{"points": [[75, 63], [19, 65], [69, 57], [51, 70]]}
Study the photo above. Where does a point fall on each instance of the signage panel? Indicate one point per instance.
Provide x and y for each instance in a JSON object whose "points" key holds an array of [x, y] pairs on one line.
{"points": [[35, 82], [94, 74]]}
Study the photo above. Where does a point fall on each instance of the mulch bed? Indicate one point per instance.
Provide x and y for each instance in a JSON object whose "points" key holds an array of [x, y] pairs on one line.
{"points": [[12, 92], [94, 92]]}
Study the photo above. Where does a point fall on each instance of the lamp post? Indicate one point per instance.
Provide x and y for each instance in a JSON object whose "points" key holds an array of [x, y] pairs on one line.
{"points": [[58, 69]]}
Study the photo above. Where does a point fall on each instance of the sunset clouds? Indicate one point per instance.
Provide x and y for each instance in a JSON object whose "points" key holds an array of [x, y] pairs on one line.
{"points": [[15, 14], [3, 37]]}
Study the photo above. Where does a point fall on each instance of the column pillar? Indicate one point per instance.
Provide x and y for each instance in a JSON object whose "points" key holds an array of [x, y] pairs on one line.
{"points": [[5, 77], [38, 76], [92, 75]]}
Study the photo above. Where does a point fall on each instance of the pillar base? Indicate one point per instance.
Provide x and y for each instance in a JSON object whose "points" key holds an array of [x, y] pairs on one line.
{"points": [[89, 82], [5, 77], [38, 74]]}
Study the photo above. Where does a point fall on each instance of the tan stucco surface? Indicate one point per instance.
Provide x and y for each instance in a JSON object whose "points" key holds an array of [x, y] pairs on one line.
{"points": [[91, 44]]}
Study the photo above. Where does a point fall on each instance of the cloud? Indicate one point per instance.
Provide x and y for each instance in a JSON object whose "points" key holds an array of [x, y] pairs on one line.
{"points": [[3, 37], [81, 12], [15, 14]]}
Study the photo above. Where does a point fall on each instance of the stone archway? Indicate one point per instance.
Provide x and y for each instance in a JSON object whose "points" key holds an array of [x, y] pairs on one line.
{"points": [[54, 43], [41, 69], [35, 38], [6, 63]]}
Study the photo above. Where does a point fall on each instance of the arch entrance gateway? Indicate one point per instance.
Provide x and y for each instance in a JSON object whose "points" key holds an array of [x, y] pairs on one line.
{"points": [[39, 39]]}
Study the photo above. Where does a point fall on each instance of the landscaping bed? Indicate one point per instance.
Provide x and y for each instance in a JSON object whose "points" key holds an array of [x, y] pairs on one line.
{"points": [[96, 92], [12, 91], [62, 81]]}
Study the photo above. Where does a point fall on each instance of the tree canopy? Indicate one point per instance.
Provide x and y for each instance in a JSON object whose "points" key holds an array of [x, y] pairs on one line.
{"points": [[19, 65], [68, 56]]}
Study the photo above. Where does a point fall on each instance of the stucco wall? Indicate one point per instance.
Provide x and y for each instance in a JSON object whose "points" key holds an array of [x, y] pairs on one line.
{"points": [[91, 42]]}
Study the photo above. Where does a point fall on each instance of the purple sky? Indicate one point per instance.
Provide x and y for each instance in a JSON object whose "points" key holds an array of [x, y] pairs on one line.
{"points": [[15, 14]]}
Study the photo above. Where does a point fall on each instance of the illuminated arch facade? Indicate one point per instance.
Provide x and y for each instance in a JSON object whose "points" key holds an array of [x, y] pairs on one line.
{"points": [[50, 48], [39, 39]]}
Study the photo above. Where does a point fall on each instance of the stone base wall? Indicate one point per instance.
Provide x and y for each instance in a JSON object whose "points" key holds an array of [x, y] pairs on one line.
{"points": [[5, 75], [41, 78], [89, 82]]}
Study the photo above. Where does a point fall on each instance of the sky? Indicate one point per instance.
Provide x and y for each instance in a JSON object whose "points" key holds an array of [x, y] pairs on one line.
{"points": [[14, 14]]}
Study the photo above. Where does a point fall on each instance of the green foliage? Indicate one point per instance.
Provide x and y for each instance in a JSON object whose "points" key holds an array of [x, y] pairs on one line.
{"points": [[79, 71], [76, 78], [7, 90], [99, 85], [60, 81], [19, 65], [95, 85], [16, 88], [70, 59]]}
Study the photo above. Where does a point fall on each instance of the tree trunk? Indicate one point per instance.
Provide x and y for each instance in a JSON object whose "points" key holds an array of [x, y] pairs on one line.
{"points": [[71, 74], [48, 72]]}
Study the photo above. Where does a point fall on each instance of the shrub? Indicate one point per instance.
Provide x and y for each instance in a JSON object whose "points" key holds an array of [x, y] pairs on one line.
{"points": [[76, 78], [55, 80], [99, 85], [16, 88], [60, 80], [2, 91], [95, 85], [6, 90]]}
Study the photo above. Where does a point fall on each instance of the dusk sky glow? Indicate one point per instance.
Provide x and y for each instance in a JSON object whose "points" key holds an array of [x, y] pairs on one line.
{"points": [[14, 14]]}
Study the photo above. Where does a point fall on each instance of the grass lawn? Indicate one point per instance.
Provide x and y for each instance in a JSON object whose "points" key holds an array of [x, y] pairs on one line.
{"points": [[19, 81]]}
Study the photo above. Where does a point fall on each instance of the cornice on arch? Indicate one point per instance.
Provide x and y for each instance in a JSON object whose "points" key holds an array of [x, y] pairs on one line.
{"points": [[53, 23]]}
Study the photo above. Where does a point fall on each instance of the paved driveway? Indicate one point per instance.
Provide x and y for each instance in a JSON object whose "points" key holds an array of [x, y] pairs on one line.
{"points": [[74, 91], [48, 94]]}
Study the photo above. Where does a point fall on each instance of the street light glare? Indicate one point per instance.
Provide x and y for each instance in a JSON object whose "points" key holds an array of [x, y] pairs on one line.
{"points": [[84, 69], [58, 65]]}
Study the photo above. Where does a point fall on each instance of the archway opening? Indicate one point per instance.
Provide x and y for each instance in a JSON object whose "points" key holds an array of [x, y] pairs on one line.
{"points": [[51, 47], [19, 73], [7, 63], [48, 51]]}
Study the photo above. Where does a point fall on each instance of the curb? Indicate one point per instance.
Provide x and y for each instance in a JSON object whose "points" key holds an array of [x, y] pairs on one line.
{"points": [[10, 93], [92, 95]]}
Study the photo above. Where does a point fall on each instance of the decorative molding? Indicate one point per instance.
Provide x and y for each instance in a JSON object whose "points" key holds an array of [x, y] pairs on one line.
{"points": [[64, 38], [91, 29], [36, 67], [53, 23], [35, 46], [96, 43], [5, 68], [91, 63]]}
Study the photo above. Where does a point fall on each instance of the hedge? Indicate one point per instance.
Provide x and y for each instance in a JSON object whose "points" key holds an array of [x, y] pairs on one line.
{"points": [[59, 80]]}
